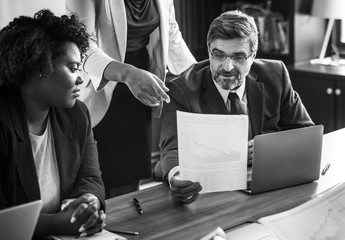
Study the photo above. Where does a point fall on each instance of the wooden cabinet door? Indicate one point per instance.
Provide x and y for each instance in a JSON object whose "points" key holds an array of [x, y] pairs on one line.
{"points": [[318, 97]]}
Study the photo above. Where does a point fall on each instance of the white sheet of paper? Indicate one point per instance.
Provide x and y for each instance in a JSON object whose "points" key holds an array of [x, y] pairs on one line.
{"points": [[104, 235], [322, 217], [213, 150], [252, 231], [217, 234]]}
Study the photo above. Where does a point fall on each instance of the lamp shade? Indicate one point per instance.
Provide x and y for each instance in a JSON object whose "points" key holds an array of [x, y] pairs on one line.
{"points": [[334, 9]]}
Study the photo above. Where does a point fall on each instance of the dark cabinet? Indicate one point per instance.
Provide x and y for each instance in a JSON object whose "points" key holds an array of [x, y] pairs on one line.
{"points": [[322, 90], [340, 103], [304, 33]]}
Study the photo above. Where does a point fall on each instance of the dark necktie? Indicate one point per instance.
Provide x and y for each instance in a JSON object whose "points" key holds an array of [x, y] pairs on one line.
{"points": [[235, 105]]}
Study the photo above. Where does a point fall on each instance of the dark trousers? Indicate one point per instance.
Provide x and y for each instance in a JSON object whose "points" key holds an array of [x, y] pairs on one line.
{"points": [[124, 137]]}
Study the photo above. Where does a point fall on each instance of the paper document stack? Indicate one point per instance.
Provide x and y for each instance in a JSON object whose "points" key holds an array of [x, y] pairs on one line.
{"points": [[322, 217]]}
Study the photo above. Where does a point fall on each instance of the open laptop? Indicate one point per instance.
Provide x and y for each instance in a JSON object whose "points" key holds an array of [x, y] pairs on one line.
{"points": [[286, 158], [19, 222]]}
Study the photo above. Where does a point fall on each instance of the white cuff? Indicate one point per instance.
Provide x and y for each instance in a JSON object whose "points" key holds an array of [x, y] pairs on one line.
{"points": [[172, 173], [94, 66]]}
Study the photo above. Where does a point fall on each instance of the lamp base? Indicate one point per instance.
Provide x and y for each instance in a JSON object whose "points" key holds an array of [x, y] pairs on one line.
{"points": [[328, 61]]}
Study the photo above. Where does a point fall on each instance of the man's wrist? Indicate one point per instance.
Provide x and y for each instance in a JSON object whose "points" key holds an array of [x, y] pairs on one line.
{"points": [[173, 172]]}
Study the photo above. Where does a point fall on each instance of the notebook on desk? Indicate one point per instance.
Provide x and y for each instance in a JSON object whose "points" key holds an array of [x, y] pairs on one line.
{"points": [[286, 158], [19, 222]]}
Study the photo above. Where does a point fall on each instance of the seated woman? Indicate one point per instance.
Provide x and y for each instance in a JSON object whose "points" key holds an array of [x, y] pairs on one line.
{"points": [[47, 149]]}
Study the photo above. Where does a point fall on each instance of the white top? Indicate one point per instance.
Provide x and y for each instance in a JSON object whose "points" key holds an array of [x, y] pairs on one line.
{"points": [[47, 170]]}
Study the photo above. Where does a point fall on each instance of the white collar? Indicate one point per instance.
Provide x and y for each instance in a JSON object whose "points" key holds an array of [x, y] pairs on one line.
{"points": [[224, 93]]}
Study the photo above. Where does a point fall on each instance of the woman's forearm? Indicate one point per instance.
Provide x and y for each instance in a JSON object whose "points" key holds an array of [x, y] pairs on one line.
{"points": [[46, 225]]}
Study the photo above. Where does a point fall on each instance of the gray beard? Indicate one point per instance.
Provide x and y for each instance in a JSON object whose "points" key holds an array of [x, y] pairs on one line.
{"points": [[229, 84]]}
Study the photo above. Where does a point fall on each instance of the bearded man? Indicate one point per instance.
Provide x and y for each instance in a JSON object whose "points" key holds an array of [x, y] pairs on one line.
{"points": [[231, 81]]}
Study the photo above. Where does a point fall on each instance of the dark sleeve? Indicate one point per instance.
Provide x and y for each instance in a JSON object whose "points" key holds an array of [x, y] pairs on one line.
{"points": [[293, 113], [168, 137], [3, 157], [89, 179]]}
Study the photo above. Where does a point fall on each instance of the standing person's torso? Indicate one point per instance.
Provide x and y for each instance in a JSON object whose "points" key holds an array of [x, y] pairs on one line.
{"points": [[142, 20]]}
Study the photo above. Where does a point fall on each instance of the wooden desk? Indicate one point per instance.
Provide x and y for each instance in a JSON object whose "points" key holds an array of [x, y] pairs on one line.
{"points": [[164, 218]]}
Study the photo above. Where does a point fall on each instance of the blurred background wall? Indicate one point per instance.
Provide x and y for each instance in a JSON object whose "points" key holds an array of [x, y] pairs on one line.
{"points": [[10, 9]]}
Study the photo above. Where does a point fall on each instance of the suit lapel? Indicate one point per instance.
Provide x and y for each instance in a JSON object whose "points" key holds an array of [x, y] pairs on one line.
{"points": [[25, 161], [27, 171], [66, 150], [119, 17], [255, 103], [213, 101]]}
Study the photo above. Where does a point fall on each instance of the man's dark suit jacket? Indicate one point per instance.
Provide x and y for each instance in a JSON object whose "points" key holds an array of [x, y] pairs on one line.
{"points": [[75, 148], [272, 103]]}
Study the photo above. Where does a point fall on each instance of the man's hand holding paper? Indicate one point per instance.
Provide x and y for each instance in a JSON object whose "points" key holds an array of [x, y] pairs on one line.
{"points": [[185, 191], [213, 150]]}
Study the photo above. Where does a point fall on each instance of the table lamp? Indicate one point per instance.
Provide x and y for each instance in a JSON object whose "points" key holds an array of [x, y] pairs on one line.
{"points": [[332, 10]]}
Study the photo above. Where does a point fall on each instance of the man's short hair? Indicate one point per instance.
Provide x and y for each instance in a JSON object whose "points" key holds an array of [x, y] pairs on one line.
{"points": [[234, 24]]}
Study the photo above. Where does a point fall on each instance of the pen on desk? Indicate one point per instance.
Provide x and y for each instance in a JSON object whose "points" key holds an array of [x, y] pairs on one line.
{"points": [[137, 205], [325, 169], [122, 231]]}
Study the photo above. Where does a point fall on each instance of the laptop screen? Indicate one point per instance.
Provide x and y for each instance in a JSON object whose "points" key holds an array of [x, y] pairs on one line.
{"points": [[286, 158], [19, 222]]}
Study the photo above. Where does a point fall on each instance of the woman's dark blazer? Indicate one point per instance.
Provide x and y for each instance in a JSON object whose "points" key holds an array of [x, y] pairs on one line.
{"points": [[75, 148]]}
